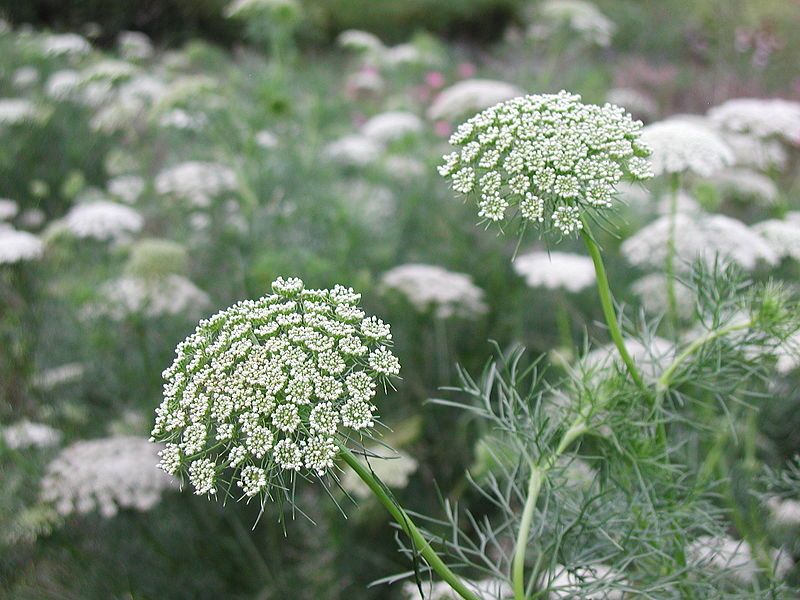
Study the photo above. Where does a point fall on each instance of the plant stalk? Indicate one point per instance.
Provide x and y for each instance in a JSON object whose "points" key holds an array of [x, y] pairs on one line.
{"points": [[407, 525], [669, 268]]}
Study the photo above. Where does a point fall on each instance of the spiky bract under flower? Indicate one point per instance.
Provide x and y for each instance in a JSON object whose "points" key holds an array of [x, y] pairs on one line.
{"points": [[270, 388], [549, 156]]}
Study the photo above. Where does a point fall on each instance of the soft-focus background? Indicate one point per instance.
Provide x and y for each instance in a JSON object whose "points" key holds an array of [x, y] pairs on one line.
{"points": [[162, 159]]}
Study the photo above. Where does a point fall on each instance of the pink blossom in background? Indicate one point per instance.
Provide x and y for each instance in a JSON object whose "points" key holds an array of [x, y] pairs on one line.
{"points": [[442, 128], [434, 79], [466, 70]]}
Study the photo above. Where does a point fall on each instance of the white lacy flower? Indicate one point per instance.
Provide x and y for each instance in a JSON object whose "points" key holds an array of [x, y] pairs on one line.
{"points": [[25, 77], [367, 203], [652, 357], [103, 220], [432, 288], [123, 113], [486, 589], [360, 41], [266, 139], [25, 434], [470, 96], [177, 118], [61, 84], [761, 117], [8, 209], [734, 556], [756, 153], [16, 246], [404, 168], [550, 156], [634, 101], [14, 111], [389, 126], [106, 474], [65, 44], [108, 69], [152, 297], [683, 145], [785, 512], [595, 582], [782, 236], [195, 181], [580, 16], [652, 291], [394, 471], [745, 183], [60, 375], [353, 150], [698, 236], [134, 45], [685, 203], [788, 354], [127, 188], [268, 383], [555, 270], [246, 9]]}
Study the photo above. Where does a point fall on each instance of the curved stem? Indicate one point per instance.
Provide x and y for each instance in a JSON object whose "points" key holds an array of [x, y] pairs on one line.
{"points": [[518, 564], [669, 269], [607, 302], [407, 525]]}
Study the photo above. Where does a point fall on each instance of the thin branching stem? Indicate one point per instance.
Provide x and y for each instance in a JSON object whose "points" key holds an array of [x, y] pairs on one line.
{"points": [[407, 525], [607, 302]]}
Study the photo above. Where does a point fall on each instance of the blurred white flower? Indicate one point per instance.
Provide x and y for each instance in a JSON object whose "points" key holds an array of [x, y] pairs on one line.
{"points": [[32, 218], [143, 87], [404, 168], [403, 54], [761, 117], [360, 41], [785, 512], [638, 103], [746, 183], [788, 354], [431, 288], [62, 84], [8, 209], [685, 203], [127, 188], [697, 236], [393, 470], [392, 125], [782, 236], [178, 118], [149, 296], [17, 246], [60, 375], [25, 434], [470, 96], [102, 220], [594, 582], [651, 356], [195, 181], [365, 82], [652, 291], [106, 474], [580, 16], [266, 139], [121, 114], [734, 556], [554, 270], [14, 111], [682, 145], [353, 150], [65, 44], [108, 69], [134, 45], [250, 8], [25, 77], [486, 589], [756, 153], [368, 204]]}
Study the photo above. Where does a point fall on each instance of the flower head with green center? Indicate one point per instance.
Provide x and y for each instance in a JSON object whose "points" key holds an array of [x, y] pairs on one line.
{"points": [[546, 157], [270, 388]]}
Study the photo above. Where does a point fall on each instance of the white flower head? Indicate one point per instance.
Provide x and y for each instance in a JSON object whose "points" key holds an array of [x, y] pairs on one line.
{"points": [[682, 145], [65, 44], [270, 386], [580, 16], [106, 474], [394, 471], [761, 117], [782, 236], [195, 181], [432, 288], [548, 157], [742, 183], [388, 126], [152, 297], [554, 270], [103, 220], [472, 95], [652, 291], [638, 103], [360, 41], [134, 45], [25, 434], [486, 589], [353, 150], [734, 557], [591, 581], [17, 246], [15, 111]]}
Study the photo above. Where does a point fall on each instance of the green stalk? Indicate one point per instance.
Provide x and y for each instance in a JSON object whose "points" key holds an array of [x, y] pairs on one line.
{"points": [[562, 323], [607, 302], [407, 525], [669, 269]]}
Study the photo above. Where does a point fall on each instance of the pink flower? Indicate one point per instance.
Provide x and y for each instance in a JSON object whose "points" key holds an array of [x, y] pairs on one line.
{"points": [[435, 79], [442, 128], [466, 70]]}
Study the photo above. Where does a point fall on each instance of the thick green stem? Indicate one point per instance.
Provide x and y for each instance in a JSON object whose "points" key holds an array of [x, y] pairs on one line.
{"points": [[518, 565], [607, 302], [563, 324], [669, 269], [407, 525]]}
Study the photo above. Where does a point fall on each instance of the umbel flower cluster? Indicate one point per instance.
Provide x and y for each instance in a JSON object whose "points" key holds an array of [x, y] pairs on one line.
{"points": [[269, 388], [549, 156]]}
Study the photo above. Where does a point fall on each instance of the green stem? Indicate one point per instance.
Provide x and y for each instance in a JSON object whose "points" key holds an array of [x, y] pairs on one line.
{"points": [[607, 302], [518, 564], [672, 301], [406, 524], [563, 324]]}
